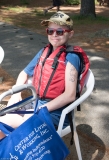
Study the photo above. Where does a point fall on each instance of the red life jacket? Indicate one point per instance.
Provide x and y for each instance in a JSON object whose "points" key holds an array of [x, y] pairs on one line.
{"points": [[84, 65], [49, 73]]}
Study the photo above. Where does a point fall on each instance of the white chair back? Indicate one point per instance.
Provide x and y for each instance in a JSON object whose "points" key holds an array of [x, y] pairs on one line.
{"points": [[1, 54], [89, 85]]}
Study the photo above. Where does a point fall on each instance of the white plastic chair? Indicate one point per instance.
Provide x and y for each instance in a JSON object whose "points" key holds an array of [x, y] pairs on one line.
{"points": [[89, 85], [1, 54]]}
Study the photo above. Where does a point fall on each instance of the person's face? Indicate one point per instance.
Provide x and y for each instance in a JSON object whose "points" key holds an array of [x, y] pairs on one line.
{"points": [[58, 40]]}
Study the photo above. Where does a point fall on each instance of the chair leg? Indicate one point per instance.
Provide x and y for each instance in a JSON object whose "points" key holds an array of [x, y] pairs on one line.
{"points": [[77, 145], [76, 139]]}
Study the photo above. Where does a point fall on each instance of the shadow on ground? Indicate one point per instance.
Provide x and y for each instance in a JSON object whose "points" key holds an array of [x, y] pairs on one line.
{"points": [[92, 147]]}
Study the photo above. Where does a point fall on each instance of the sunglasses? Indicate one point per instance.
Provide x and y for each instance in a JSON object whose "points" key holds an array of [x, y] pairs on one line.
{"points": [[58, 31]]}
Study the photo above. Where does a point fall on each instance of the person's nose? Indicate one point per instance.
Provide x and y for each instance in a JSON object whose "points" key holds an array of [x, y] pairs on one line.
{"points": [[54, 34]]}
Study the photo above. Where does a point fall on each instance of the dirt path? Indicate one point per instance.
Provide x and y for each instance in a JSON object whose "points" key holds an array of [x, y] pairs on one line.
{"points": [[93, 36]]}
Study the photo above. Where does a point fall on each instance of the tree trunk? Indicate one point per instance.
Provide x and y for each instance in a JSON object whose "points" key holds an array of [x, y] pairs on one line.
{"points": [[87, 8], [108, 3]]}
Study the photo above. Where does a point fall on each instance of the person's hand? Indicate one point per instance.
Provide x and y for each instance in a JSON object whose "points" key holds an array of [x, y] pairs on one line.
{"points": [[45, 105], [14, 99]]}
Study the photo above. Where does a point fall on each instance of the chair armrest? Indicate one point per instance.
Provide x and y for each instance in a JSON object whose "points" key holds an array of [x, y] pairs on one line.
{"points": [[70, 108], [74, 105]]}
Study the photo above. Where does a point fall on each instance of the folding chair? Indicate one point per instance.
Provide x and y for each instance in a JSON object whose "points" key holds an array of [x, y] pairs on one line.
{"points": [[89, 85]]}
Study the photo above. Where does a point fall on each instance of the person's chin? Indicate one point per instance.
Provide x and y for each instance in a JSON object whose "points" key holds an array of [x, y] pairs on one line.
{"points": [[55, 46], [56, 43]]}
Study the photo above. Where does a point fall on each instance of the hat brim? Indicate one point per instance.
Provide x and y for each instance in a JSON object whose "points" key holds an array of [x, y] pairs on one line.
{"points": [[46, 22]]}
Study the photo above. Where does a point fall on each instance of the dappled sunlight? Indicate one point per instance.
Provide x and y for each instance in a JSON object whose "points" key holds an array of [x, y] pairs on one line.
{"points": [[100, 110], [85, 44], [102, 43], [95, 58], [7, 82], [31, 16], [107, 42], [26, 20], [100, 9], [98, 47], [94, 44]]}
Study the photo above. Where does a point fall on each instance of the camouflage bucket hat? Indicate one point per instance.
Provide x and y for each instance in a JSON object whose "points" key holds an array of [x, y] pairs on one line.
{"points": [[59, 18]]}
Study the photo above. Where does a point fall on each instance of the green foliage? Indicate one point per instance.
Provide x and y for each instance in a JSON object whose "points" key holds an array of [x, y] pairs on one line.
{"points": [[76, 2], [96, 2], [25, 2], [15, 9], [73, 2], [89, 19]]}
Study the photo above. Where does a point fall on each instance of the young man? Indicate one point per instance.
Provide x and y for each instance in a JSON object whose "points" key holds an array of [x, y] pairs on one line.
{"points": [[54, 71]]}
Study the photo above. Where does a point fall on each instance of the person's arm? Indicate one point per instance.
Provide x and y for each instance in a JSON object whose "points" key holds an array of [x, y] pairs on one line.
{"points": [[69, 94], [22, 78]]}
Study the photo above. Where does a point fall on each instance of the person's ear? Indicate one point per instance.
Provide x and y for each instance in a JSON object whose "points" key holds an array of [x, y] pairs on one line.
{"points": [[71, 34]]}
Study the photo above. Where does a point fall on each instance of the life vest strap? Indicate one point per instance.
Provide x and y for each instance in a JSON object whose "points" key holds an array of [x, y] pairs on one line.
{"points": [[44, 99]]}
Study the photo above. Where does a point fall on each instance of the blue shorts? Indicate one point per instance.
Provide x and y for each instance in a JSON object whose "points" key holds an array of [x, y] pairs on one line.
{"points": [[55, 115]]}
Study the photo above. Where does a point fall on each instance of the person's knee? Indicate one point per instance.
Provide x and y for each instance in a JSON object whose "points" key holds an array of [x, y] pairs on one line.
{"points": [[26, 116], [2, 135], [13, 120]]}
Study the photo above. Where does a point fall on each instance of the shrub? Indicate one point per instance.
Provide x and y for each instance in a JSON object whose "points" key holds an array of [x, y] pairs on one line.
{"points": [[73, 2]]}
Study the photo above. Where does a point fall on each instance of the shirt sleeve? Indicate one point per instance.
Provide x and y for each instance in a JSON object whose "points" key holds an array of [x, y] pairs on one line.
{"points": [[29, 69], [74, 60]]}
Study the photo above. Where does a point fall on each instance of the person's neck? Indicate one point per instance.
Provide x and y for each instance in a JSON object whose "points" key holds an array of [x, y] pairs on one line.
{"points": [[54, 48]]}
